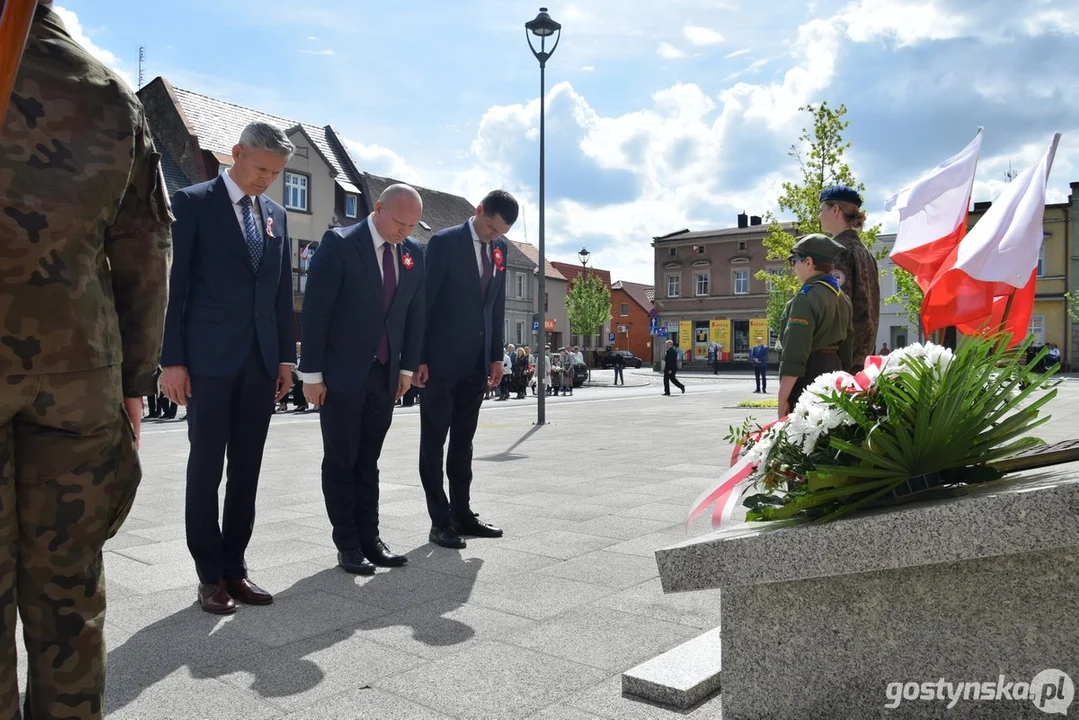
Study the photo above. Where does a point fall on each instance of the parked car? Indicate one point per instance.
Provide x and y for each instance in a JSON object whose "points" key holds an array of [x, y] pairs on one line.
{"points": [[580, 374], [632, 361]]}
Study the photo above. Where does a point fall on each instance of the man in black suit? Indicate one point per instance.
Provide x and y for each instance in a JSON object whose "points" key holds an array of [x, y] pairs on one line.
{"points": [[228, 352], [462, 355], [362, 327], [670, 368]]}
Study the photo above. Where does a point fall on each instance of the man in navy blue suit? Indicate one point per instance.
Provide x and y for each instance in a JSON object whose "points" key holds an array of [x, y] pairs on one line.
{"points": [[462, 355], [229, 348], [362, 327]]}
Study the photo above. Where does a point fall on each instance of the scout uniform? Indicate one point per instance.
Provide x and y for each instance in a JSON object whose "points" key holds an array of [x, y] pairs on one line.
{"points": [[84, 235], [858, 276], [817, 331]]}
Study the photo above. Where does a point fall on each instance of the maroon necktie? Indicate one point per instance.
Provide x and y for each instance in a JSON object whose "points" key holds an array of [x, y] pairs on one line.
{"points": [[389, 286], [485, 278]]}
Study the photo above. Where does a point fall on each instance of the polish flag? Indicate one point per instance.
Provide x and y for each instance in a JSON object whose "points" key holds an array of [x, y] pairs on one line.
{"points": [[993, 272], [933, 214]]}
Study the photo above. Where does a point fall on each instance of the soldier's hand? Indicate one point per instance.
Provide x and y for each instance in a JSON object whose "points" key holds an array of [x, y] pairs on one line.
{"points": [[420, 378], [404, 382], [134, 411], [284, 381], [176, 384], [315, 393]]}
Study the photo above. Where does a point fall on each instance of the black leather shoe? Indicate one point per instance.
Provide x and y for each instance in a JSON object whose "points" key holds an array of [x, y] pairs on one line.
{"points": [[353, 561], [476, 528], [380, 555], [446, 537]]}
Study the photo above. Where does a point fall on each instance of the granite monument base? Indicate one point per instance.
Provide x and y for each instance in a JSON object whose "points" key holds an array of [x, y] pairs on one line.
{"points": [[951, 608]]}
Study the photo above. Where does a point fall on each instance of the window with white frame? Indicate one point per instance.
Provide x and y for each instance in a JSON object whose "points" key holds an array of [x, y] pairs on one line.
{"points": [[1041, 261], [674, 286], [521, 286], [623, 310], [700, 284], [741, 282], [1037, 329], [773, 275], [296, 191], [351, 205], [520, 327]]}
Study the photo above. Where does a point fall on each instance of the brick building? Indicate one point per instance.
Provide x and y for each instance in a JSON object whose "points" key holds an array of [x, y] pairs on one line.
{"points": [[632, 303]]}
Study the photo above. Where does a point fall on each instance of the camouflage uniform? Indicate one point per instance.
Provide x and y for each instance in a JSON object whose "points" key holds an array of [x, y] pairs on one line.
{"points": [[84, 254], [856, 270]]}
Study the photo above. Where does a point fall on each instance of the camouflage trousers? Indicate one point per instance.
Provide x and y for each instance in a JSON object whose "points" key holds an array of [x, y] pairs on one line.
{"points": [[68, 475]]}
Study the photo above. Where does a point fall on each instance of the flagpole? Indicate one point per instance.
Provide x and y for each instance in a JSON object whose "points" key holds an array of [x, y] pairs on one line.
{"points": [[1004, 319], [15, 23]]}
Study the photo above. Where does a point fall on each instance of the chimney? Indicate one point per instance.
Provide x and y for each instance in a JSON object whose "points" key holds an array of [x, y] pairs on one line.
{"points": [[743, 220], [755, 220]]}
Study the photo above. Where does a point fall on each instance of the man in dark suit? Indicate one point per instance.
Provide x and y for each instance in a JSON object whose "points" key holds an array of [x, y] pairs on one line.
{"points": [[362, 327], [670, 368], [462, 355], [228, 352]]}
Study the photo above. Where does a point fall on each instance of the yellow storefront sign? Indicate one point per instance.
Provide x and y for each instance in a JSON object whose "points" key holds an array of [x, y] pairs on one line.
{"points": [[758, 328], [685, 338], [721, 333]]}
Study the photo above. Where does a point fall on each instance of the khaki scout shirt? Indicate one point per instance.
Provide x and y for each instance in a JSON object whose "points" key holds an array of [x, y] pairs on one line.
{"points": [[84, 219], [856, 270], [817, 318]]}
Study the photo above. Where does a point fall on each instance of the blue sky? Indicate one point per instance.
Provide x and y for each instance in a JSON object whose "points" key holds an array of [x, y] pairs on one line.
{"points": [[660, 116]]}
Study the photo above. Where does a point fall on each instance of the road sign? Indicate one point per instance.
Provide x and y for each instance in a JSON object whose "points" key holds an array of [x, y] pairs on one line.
{"points": [[659, 332], [610, 337], [653, 322], [535, 326], [653, 313], [672, 326]]}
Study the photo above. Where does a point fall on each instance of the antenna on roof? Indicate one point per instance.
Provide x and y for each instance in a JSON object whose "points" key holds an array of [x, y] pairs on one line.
{"points": [[524, 219], [1011, 174], [142, 59]]}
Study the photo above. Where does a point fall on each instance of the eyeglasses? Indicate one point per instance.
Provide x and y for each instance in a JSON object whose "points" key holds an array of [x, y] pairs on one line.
{"points": [[795, 259]]}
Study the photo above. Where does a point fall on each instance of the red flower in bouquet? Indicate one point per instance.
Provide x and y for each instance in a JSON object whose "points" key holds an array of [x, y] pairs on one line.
{"points": [[498, 260]]}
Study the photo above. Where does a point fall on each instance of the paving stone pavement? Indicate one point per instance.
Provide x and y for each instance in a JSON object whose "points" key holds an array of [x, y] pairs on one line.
{"points": [[538, 624]]}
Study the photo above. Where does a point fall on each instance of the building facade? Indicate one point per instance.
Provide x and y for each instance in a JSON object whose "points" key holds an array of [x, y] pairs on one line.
{"points": [[555, 327], [521, 289], [707, 292], [894, 328], [1050, 321], [631, 303]]}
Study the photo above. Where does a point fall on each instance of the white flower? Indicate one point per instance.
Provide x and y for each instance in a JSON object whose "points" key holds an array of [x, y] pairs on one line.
{"points": [[935, 356]]}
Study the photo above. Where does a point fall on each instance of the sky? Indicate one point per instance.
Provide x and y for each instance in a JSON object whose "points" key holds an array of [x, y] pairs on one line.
{"points": [[659, 116]]}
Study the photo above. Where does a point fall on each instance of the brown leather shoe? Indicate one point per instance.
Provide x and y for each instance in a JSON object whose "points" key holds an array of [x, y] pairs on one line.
{"points": [[214, 599], [247, 592]]}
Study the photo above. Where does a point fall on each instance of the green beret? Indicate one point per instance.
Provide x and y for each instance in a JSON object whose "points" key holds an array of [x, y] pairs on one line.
{"points": [[817, 246]]}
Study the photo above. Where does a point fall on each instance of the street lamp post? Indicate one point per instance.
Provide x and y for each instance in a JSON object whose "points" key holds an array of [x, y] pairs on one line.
{"points": [[584, 255], [542, 27]]}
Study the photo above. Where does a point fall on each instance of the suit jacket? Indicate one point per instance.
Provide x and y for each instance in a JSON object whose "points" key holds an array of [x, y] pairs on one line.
{"points": [[463, 324], [218, 305], [670, 360], [342, 318]]}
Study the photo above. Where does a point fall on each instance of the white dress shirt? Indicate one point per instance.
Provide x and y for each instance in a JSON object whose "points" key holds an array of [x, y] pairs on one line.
{"points": [[378, 241], [236, 194], [480, 247]]}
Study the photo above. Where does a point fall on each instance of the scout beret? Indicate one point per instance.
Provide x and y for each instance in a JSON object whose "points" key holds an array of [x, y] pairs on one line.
{"points": [[841, 193], [817, 246]]}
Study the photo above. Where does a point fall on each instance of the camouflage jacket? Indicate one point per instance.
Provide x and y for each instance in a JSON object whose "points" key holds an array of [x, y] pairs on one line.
{"points": [[856, 270], [84, 219]]}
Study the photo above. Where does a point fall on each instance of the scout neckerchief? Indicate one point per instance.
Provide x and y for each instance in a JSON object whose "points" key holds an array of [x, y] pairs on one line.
{"points": [[829, 280]]}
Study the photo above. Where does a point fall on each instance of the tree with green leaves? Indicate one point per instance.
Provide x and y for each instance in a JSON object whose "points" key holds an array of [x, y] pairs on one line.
{"points": [[819, 153], [909, 295], [588, 304]]}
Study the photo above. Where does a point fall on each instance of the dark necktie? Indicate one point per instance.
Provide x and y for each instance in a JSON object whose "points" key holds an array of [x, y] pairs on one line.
{"points": [[485, 278], [389, 287], [251, 233]]}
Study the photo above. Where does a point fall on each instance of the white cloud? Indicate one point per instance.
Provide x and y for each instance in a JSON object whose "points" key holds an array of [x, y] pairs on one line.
{"points": [[909, 22], [317, 52], [380, 160], [701, 35], [737, 53], [587, 68], [74, 28], [670, 52]]}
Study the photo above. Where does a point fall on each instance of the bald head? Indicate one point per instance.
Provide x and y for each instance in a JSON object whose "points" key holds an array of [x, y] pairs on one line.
{"points": [[397, 211]]}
